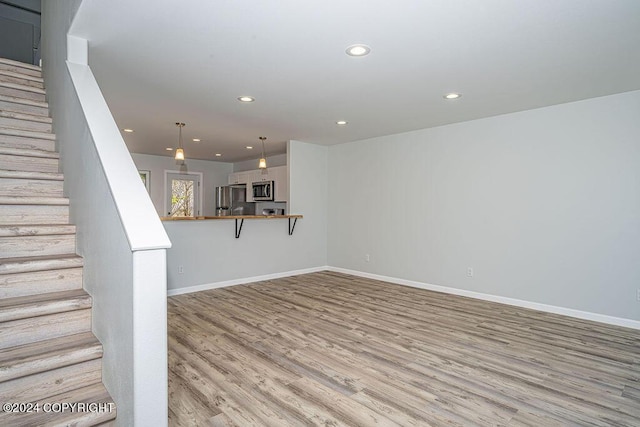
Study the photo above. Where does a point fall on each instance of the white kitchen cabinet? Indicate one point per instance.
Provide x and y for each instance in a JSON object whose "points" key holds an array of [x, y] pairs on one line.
{"points": [[238, 178], [278, 174], [242, 178], [257, 176], [260, 176]]}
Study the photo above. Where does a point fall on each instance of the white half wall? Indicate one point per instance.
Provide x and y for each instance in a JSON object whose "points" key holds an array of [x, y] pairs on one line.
{"points": [[210, 255], [118, 233], [214, 174], [543, 205]]}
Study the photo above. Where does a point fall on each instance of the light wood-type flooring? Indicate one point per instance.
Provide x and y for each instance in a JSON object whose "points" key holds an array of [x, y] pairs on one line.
{"points": [[328, 349]]}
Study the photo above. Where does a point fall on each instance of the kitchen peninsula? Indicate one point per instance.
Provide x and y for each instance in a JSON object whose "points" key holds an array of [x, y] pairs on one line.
{"points": [[237, 218], [205, 253]]}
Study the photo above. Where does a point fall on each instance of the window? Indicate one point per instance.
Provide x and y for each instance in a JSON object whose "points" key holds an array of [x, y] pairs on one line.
{"points": [[146, 180], [183, 194]]}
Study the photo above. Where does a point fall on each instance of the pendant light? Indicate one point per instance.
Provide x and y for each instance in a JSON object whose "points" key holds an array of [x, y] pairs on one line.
{"points": [[262, 163], [180, 151]]}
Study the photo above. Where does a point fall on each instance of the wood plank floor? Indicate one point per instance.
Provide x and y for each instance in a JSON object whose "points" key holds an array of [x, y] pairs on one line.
{"points": [[328, 349]]}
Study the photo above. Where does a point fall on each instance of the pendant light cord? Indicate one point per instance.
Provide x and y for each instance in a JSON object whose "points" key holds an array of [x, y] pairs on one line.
{"points": [[180, 126]]}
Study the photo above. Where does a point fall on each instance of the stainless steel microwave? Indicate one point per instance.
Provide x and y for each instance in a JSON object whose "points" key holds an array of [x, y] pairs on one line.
{"points": [[263, 190]]}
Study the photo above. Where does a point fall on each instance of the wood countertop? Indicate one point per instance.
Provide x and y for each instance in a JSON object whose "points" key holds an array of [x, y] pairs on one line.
{"points": [[201, 218]]}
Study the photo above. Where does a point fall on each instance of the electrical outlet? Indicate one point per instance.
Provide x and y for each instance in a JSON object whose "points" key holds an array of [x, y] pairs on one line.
{"points": [[367, 258], [180, 269], [469, 271]]}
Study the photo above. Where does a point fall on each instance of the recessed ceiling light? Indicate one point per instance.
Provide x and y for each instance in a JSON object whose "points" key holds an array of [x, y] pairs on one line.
{"points": [[128, 130], [169, 149], [342, 122], [358, 50], [246, 99], [249, 147], [452, 95], [218, 154], [196, 139]]}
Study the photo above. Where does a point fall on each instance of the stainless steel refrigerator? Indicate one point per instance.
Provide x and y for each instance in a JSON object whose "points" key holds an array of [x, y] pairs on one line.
{"points": [[231, 200]]}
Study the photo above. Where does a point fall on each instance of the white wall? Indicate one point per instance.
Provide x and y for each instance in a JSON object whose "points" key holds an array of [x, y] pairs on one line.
{"points": [[308, 189], [543, 204], [214, 174], [211, 255], [272, 161]]}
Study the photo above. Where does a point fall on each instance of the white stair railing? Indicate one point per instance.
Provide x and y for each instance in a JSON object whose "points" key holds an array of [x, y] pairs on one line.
{"points": [[119, 233]]}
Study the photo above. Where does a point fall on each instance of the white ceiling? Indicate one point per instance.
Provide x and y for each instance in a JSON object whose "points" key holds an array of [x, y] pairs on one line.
{"points": [[163, 61]]}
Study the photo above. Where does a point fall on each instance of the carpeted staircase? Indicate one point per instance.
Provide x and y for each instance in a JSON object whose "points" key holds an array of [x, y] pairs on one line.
{"points": [[49, 358]]}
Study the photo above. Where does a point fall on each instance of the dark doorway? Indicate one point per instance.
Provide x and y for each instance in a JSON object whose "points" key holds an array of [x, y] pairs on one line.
{"points": [[20, 30]]}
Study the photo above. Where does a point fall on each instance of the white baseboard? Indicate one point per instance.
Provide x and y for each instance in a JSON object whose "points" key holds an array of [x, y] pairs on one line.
{"points": [[207, 286], [611, 320]]}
